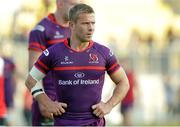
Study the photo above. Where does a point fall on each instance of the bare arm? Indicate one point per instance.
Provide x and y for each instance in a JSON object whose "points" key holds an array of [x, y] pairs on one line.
{"points": [[33, 56], [50, 106], [122, 86], [121, 89]]}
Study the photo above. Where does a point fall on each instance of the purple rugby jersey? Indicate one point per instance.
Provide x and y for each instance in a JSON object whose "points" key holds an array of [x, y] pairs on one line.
{"points": [[78, 78], [9, 81], [45, 34]]}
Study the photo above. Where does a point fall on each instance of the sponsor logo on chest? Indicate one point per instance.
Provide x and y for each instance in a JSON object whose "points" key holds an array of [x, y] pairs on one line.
{"points": [[67, 60], [58, 35], [79, 80], [79, 75]]}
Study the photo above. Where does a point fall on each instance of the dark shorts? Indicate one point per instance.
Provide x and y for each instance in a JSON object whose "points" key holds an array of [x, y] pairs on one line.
{"points": [[65, 122], [126, 107], [100, 122]]}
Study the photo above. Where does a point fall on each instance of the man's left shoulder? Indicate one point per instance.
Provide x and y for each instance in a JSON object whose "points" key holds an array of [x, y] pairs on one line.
{"points": [[100, 46]]}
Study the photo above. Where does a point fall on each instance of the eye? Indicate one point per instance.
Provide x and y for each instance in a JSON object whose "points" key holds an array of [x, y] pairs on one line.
{"points": [[86, 23]]}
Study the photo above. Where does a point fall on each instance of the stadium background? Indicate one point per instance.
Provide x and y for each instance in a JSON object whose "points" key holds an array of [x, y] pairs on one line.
{"points": [[146, 32]]}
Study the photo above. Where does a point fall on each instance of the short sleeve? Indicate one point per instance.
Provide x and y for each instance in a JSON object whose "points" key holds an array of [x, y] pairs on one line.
{"points": [[45, 61], [37, 38], [111, 62]]}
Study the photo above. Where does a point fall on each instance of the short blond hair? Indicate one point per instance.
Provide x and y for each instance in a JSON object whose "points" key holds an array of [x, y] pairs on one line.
{"points": [[79, 9]]}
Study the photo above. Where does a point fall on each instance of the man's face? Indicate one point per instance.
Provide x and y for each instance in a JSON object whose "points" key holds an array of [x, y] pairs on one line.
{"points": [[84, 27], [68, 4]]}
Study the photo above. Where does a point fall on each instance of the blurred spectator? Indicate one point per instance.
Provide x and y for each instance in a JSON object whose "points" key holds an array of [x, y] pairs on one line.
{"points": [[9, 80], [3, 110], [177, 100], [169, 93], [170, 36], [152, 54], [128, 101], [9, 84], [27, 107]]}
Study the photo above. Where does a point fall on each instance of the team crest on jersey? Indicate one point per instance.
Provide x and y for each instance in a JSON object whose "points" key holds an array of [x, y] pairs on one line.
{"points": [[46, 52], [93, 58], [58, 35], [40, 28]]}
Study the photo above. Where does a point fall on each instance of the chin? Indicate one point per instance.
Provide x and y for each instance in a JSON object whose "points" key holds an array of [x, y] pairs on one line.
{"points": [[86, 40]]}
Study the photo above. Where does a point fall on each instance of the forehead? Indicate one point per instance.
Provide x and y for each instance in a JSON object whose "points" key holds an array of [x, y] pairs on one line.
{"points": [[72, 1], [86, 17]]}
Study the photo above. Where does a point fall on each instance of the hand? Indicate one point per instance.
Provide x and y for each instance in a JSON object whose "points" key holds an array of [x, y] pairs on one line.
{"points": [[60, 108], [52, 108], [45, 112], [101, 109]]}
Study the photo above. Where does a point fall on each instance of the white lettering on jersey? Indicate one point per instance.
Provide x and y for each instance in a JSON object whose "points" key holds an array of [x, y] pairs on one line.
{"points": [[78, 82], [40, 28], [66, 60]]}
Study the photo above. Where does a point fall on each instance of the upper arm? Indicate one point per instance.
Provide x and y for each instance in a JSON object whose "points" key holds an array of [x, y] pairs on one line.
{"points": [[37, 44], [45, 62], [119, 76], [33, 56], [115, 71], [37, 39]]}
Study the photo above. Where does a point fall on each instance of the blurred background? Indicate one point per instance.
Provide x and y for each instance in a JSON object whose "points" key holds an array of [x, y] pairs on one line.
{"points": [[144, 35]]}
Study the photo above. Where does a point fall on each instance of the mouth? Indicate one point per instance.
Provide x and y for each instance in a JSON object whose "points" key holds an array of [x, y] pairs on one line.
{"points": [[89, 35]]}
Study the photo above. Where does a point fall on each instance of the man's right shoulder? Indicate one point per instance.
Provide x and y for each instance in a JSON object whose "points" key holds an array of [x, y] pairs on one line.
{"points": [[58, 46], [54, 49], [42, 25]]}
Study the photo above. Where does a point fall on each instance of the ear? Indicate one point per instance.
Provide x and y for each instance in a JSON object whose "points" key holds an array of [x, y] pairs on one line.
{"points": [[71, 24]]}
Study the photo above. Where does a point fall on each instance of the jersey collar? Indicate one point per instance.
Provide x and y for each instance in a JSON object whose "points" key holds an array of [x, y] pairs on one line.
{"points": [[67, 45], [52, 18]]}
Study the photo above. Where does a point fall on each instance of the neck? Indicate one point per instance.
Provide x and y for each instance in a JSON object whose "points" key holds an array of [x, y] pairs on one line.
{"points": [[60, 20], [77, 45]]}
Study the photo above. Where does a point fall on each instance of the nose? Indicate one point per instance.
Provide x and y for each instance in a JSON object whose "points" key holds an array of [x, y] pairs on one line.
{"points": [[91, 27]]}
